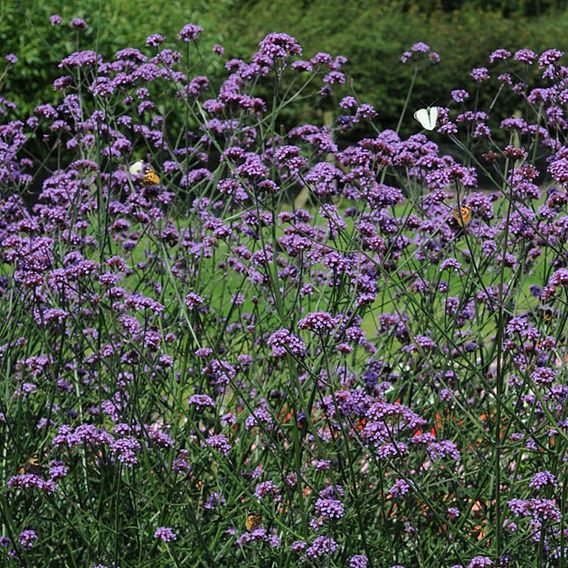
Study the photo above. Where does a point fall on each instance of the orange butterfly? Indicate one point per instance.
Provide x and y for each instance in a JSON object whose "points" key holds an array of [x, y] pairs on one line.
{"points": [[462, 216], [150, 177], [32, 465], [253, 521]]}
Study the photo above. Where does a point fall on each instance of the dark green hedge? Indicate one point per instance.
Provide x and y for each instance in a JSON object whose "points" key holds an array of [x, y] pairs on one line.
{"points": [[371, 33]]}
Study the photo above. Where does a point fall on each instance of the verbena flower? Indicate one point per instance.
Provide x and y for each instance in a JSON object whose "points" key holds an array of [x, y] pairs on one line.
{"points": [[27, 538], [165, 534], [79, 23], [190, 32], [321, 547]]}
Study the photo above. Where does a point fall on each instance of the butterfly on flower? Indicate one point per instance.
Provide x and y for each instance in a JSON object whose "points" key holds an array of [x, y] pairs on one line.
{"points": [[150, 177], [462, 216], [136, 168], [253, 521], [32, 466], [547, 313], [427, 117]]}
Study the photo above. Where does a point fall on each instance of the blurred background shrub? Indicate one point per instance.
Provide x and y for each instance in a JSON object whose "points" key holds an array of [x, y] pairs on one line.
{"points": [[371, 33]]}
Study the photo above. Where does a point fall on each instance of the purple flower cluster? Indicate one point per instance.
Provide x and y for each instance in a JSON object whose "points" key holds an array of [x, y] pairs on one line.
{"points": [[294, 343], [165, 534], [283, 341], [190, 32], [420, 49]]}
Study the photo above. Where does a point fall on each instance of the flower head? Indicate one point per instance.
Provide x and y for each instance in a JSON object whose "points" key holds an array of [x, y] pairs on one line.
{"points": [[190, 32], [165, 534]]}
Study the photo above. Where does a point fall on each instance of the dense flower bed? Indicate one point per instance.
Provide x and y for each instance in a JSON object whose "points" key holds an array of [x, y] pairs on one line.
{"points": [[226, 343]]}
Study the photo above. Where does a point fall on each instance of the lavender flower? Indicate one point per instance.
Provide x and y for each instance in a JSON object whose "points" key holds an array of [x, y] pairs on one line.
{"points": [[283, 341], [79, 23], [480, 562], [317, 322], [201, 401], [190, 32], [154, 40], [219, 442], [358, 561], [322, 546], [460, 95], [400, 488], [550, 57], [277, 46], [330, 508], [499, 55], [27, 539], [165, 534], [480, 74], [542, 479]]}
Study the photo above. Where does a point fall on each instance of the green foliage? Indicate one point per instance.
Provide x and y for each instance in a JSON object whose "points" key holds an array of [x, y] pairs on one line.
{"points": [[371, 34], [25, 30]]}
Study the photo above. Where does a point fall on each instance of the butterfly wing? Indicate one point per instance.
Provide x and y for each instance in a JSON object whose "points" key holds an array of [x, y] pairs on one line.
{"points": [[427, 117], [32, 466], [150, 178], [422, 117], [136, 168], [433, 116], [253, 521], [462, 216]]}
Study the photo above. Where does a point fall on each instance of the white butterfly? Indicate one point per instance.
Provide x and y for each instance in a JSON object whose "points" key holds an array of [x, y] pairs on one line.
{"points": [[427, 117], [137, 168]]}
